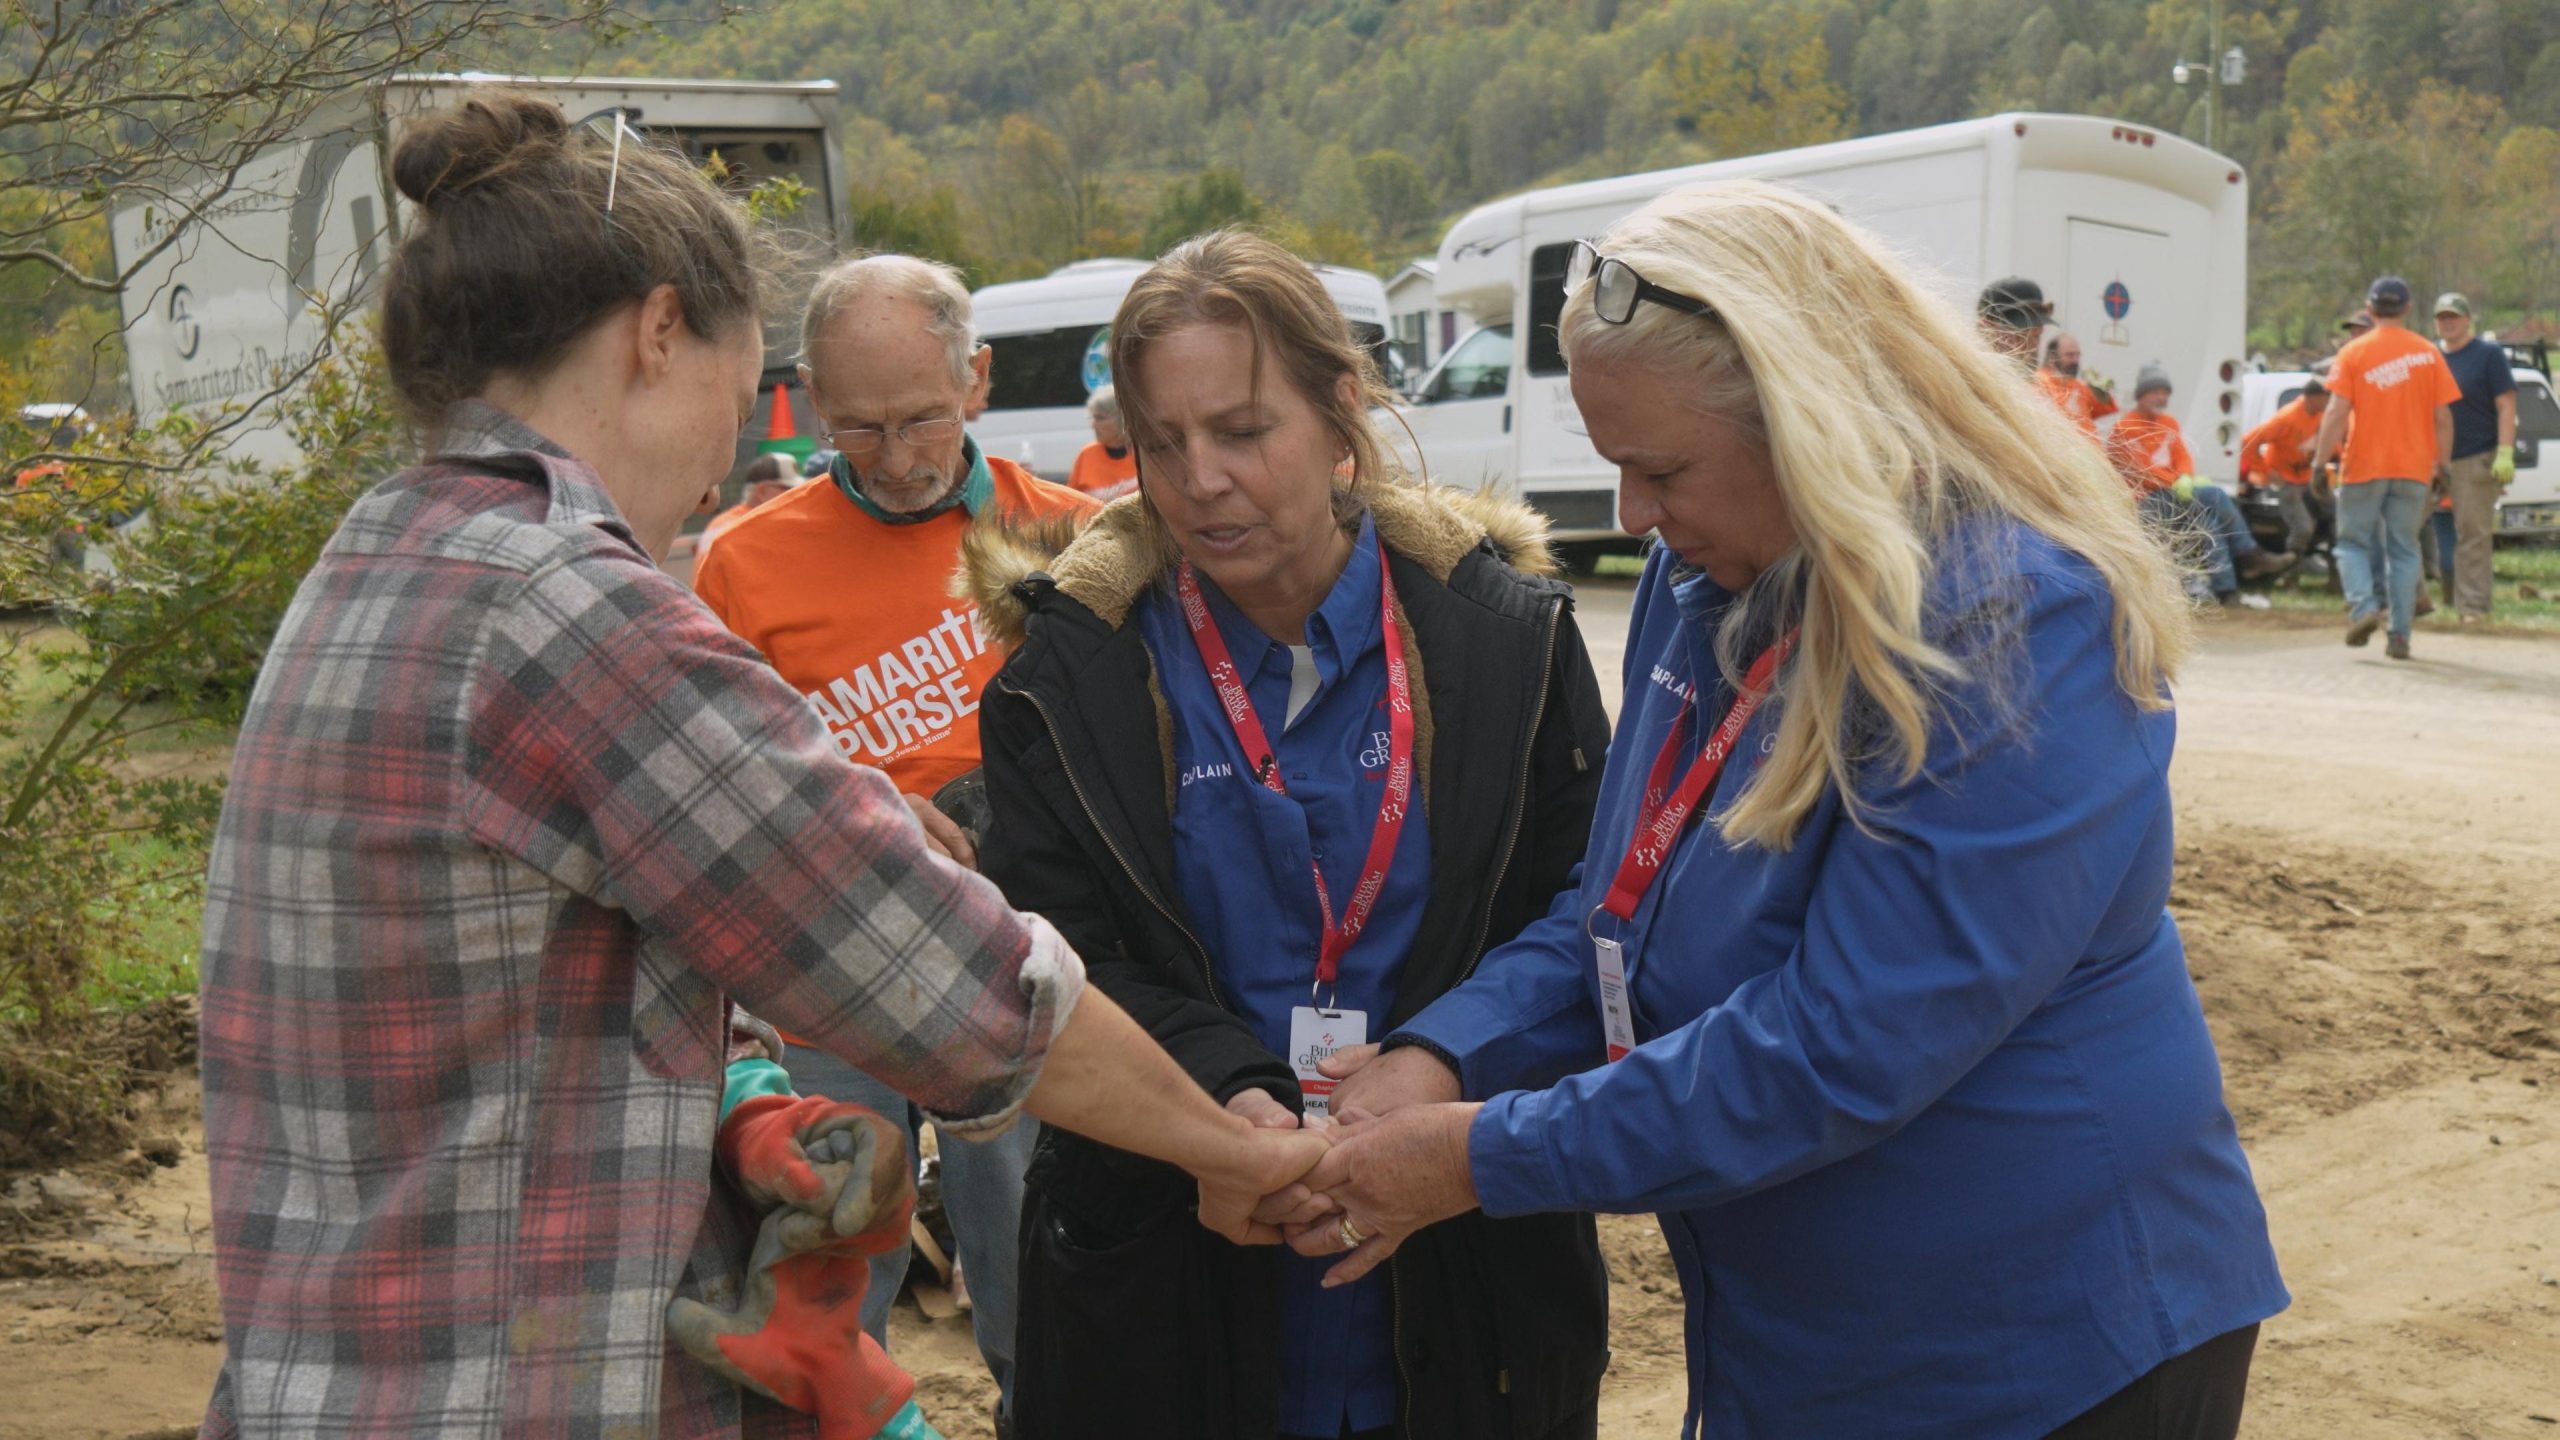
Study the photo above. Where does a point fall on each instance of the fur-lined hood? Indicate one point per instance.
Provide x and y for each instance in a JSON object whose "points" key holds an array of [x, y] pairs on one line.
{"points": [[1116, 556]]}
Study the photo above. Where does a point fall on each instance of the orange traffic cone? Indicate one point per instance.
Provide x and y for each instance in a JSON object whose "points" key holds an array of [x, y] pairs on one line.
{"points": [[781, 436]]}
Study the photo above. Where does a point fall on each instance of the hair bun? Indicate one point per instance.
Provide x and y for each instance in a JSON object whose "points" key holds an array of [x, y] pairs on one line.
{"points": [[451, 150]]}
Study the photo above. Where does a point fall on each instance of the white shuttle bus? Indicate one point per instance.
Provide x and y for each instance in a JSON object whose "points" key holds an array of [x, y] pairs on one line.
{"points": [[2139, 237], [1051, 339], [219, 313]]}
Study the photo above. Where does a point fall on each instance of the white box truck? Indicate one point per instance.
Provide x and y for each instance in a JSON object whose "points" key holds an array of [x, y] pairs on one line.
{"points": [[2139, 237], [1051, 340], [235, 301]]}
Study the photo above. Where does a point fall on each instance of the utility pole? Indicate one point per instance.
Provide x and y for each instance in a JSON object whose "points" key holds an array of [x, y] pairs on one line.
{"points": [[2213, 82], [2224, 67]]}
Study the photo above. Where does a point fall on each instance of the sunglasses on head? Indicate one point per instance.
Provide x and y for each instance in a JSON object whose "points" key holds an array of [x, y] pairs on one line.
{"points": [[1616, 288]]}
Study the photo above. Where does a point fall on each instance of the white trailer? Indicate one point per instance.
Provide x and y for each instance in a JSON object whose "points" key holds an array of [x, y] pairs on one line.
{"points": [[236, 300], [2140, 237], [1051, 340]]}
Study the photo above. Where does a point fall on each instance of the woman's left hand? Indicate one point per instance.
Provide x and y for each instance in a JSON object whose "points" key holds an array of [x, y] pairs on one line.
{"points": [[1388, 1176]]}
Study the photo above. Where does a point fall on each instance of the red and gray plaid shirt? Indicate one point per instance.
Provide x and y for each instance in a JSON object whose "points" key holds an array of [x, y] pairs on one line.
{"points": [[512, 820]]}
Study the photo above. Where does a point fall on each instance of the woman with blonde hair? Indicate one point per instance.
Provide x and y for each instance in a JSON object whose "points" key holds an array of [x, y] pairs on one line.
{"points": [[1287, 745], [1867, 987]]}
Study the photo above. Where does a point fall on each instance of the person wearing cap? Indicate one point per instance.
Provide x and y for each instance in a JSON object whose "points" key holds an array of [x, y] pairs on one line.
{"points": [[2151, 453], [2484, 450], [2276, 456], [769, 476], [2013, 313], [2392, 402], [845, 586], [2059, 378]]}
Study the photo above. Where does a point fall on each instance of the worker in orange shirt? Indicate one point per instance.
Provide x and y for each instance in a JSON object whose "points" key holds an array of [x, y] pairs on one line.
{"points": [[2393, 398], [2151, 453], [845, 586], [1106, 469], [2059, 378], [2276, 456]]}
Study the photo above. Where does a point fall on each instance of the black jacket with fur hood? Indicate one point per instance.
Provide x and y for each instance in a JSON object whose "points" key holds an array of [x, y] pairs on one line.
{"points": [[1136, 1322]]}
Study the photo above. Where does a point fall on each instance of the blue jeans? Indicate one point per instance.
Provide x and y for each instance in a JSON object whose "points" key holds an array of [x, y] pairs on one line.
{"points": [[981, 1194], [2378, 524], [2214, 518]]}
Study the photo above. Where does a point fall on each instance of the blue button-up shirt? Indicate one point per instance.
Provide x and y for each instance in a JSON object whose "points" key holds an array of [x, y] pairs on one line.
{"points": [[1928, 1109], [1243, 856]]}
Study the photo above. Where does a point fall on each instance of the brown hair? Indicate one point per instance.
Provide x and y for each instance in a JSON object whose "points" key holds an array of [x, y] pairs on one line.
{"points": [[1235, 277], [513, 254]]}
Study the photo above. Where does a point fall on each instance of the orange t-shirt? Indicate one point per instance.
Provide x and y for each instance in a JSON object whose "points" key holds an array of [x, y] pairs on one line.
{"points": [[2279, 450], [2394, 382], [2149, 450], [858, 616], [717, 526], [2077, 399], [1096, 472]]}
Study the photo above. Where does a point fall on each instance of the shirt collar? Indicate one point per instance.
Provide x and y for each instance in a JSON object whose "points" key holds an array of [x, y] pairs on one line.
{"points": [[1341, 632], [475, 430], [973, 497]]}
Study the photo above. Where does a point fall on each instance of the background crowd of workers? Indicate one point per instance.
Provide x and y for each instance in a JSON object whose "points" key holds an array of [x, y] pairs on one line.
{"points": [[2395, 447]]}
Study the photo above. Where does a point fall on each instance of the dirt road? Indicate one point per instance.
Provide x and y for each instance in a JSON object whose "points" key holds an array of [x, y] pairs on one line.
{"points": [[2369, 882]]}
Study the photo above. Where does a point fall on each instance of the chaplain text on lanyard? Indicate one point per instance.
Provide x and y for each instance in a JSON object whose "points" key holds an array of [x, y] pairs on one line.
{"points": [[1661, 815], [1315, 1030]]}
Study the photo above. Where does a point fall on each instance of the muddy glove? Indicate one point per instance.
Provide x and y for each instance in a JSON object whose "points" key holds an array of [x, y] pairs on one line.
{"points": [[2184, 487], [797, 1334], [769, 1142], [2502, 467]]}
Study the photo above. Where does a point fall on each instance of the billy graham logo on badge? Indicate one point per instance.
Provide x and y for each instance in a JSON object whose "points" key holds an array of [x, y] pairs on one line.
{"points": [[1319, 1048]]}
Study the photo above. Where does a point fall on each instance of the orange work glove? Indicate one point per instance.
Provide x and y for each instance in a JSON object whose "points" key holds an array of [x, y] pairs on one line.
{"points": [[837, 1176]]}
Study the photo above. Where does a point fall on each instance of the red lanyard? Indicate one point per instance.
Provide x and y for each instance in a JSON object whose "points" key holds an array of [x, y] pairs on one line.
{"points": [[1266, 761], [1664, 811]]}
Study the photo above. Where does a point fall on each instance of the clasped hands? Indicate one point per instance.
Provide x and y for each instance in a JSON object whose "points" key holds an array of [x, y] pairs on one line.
{"points": [[1392, 1161]]}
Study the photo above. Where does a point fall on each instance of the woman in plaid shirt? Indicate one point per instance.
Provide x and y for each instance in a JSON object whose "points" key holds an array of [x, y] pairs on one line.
{"points": [[515, 826]]}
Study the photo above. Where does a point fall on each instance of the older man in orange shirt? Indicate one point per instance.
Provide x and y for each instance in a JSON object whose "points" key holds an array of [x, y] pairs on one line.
{"points": [[2059, 379], [845, 585], [2151, 453]]}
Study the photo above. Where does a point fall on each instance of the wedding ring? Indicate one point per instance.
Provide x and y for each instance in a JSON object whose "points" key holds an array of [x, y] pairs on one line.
{"points": [[1350, 1233]]}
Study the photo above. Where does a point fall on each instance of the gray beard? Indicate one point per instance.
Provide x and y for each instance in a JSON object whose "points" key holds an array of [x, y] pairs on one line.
{"points": [[943, 499]]}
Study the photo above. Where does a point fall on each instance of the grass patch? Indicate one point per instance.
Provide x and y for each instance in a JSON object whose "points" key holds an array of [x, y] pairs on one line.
{"points": [[2525, 591], [165, 902]]}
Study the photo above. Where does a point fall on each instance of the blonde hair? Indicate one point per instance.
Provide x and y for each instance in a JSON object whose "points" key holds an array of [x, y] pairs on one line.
{"points": [[1234, 277], [1890, 425]]}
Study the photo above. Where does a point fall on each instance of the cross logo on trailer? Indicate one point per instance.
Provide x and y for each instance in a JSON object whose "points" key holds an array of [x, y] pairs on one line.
{"points": [[2117, 300], [182, 319]]}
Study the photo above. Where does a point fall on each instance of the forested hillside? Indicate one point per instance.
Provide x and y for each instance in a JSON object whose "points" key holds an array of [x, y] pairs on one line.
{"points": [[1011, 135]]}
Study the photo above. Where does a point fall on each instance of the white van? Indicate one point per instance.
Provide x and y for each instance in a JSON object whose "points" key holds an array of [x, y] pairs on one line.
{"points": [[2139, 237], [228, 304], [1052, 344], [2529, 506]]}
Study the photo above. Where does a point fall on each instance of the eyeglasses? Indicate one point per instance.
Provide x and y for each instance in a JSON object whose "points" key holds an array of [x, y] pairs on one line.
{"points": [[918, 434], [1616, 287]]}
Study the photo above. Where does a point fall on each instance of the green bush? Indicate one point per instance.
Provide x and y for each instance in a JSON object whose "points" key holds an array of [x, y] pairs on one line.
{"points": [[118, 694]]}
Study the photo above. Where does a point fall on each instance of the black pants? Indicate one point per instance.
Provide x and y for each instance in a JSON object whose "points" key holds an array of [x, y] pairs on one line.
{"points": [[2195, 1396]]}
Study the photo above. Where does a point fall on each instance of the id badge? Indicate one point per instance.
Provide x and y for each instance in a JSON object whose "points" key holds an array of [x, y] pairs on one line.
{"points": [[1313, 1035], [1617, 1021]]}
